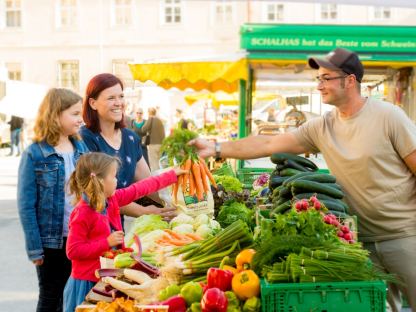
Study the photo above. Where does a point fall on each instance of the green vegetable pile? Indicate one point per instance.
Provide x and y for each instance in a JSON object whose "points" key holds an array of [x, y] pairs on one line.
{"points": [[229, 183], [232, 211]]}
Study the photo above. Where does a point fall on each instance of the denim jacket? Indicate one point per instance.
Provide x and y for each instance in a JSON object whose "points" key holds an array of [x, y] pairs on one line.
{"points": [[41, 196]]}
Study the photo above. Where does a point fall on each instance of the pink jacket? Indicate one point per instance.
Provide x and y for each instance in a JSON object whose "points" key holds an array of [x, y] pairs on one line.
{"points": [[89, 229]]}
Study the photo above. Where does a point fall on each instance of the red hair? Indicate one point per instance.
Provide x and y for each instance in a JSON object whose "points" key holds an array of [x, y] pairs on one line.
{"points": [[96, 85]]}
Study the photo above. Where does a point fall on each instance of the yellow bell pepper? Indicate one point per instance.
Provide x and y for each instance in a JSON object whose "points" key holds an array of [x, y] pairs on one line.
{"points": [[244, 259], [246, 284], [230, 268]]}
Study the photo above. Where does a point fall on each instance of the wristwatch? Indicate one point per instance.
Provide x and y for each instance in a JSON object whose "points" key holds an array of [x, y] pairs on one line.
{"points": [[217, 150]]}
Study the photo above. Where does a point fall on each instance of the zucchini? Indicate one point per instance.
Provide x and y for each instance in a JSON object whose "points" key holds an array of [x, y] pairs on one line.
{"points": [[276, 181], [282, 207], [320, 177], [333, 205], [289, 172], [301, 186], [293, 164], [297, 176], [279, 158]]}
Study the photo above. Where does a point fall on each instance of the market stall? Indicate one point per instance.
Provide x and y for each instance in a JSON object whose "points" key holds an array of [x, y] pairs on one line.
{"points": [[288, 244]]}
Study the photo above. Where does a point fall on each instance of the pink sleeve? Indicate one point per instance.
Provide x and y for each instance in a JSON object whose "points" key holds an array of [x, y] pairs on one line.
{"points": [[145, 187], [78, 245]]}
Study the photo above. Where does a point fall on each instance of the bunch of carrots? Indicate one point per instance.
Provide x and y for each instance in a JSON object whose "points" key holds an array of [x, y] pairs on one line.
{"points": [[171, 238], [195, 183], [196, 178]]}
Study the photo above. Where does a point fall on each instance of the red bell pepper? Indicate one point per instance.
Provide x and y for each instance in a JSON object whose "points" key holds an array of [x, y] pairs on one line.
{"points": [[219, 278], [175, 303], [214, 300]]}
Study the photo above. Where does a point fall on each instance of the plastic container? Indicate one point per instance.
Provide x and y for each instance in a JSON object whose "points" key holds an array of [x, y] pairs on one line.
{"points": [[324, 297], [248, 175]]}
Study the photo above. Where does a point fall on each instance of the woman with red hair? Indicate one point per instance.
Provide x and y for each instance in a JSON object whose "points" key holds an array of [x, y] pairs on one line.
{"points": [[105, 131]]}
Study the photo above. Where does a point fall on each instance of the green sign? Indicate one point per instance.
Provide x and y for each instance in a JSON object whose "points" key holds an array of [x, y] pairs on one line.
{"points": [[311, 38]]}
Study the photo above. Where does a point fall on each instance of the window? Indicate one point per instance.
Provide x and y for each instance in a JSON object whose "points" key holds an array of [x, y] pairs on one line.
{"points": [[14, 71], [68, 74], [66, 13], [172, 11], [274, 12], [13, 17], [121, 70], [382, 13], [329, 12], [223, 12], [122, 13]]}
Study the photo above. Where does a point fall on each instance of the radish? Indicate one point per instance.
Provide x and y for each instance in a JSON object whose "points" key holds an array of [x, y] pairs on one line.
{"points": [[317, 205], [348, 236], [345, 229], [341, 234]]}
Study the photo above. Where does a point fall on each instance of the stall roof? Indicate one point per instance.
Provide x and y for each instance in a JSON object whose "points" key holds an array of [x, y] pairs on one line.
{"points": [[213, 74]]}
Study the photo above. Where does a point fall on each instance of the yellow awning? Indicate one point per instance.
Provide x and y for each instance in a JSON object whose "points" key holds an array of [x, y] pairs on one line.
{"points": [[210, 75]]}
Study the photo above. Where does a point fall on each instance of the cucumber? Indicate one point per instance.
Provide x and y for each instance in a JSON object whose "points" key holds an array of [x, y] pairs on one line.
{"points": [[293, 164], [333, 205], [279, 158], [280, 167], [276, 181], [309, 195], [285, 192], [334, 185], [282, 207], [339, 214], [320, 177], [301, 186], [289, 172], [297, 176]]}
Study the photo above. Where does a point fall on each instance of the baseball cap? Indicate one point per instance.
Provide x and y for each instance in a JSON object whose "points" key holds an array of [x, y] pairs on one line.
{"points": [[340, 59]]}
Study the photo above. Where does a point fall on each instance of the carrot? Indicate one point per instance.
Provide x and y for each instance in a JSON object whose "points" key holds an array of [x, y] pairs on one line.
{"points": [[204, 178], [173, 234], [208, 173], [196, 170], [191, 184], [187, 168], [175, 188], [194, 236]]}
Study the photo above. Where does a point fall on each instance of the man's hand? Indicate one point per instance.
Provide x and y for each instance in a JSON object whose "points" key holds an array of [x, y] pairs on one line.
{"points": [[205, 149]]}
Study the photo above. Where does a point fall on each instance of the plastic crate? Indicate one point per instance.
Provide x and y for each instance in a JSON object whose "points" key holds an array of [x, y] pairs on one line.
{"points": [[324, 297], [248, 175]]}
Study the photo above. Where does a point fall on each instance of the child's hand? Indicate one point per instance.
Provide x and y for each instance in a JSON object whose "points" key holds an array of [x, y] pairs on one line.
{"points": [[115, 238], [179, 171]]}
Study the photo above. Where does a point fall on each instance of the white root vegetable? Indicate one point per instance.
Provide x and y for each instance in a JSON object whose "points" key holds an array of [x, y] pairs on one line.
{"points": [[136, 276]]}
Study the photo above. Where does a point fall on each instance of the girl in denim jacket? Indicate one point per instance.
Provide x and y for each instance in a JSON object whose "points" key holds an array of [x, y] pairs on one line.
{"points": [[95, 223], [44, 206]]}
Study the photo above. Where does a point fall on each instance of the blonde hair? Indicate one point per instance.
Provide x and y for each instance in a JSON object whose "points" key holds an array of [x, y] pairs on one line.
{"points": [[47, 127], [91, 170]]}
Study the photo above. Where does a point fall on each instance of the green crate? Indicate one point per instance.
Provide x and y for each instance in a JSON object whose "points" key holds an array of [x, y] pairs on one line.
{"points": [[248, 175], [324, 297]]}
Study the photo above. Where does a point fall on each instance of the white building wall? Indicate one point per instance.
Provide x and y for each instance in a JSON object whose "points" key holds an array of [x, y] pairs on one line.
{"points": [[38, 45]]}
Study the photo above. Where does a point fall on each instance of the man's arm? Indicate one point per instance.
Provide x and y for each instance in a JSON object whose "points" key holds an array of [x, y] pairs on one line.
{"points": [[410, 161], [252, 147]]}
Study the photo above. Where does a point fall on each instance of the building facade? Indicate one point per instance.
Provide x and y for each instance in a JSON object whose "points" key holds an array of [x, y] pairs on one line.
{"points": [[65, 42]]}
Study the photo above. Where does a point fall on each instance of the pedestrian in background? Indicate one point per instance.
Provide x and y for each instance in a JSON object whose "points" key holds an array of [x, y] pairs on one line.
{"points": [[105, 131], [16, 125], [156, 131], [43, 205], [95, 224], [370, 147], [136, 124]]}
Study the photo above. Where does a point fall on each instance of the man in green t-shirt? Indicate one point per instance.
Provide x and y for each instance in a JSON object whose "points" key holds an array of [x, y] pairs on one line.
{"points": [[370, 147]]}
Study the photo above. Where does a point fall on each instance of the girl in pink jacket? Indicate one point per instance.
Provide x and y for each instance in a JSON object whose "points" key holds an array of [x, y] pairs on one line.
{"points": [[95, 225]]}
